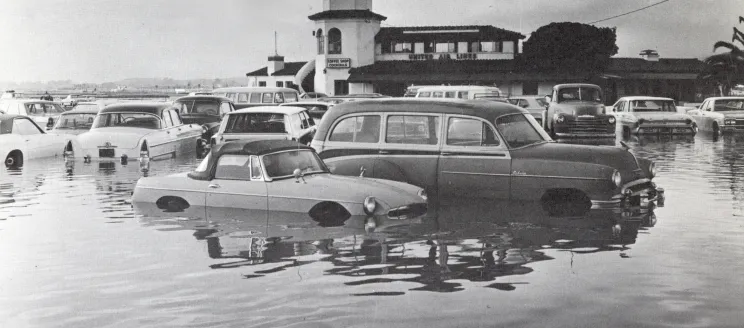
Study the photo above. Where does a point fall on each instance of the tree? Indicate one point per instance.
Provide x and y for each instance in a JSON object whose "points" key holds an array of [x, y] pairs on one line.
{"points": [[727, 68], [569, 47]]}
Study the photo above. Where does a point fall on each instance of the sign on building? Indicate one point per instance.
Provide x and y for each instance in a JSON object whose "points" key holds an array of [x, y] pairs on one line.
{"points": [[338, 62]]}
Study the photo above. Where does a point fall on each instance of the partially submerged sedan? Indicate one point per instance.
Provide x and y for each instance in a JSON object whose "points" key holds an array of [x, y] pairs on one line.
{"points": [[43, 112], [76, 121], [464, 151], [253, 178], [720, 115], [651, 115], [205, 110], [138, 130], [21, 139]]}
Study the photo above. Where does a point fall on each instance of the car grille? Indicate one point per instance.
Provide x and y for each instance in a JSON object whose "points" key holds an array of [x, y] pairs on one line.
{"points": [[667, 122], [590, 125], [407, 212], [106, 153]]}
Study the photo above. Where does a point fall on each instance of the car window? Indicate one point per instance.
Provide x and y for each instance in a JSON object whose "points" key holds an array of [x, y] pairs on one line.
{"points": [[294, 119], [310, 120], [203, 107], [463, 94], [424, 94], [167, 119], [470, 132], [137, 120], [364, 129], [290, 97], [283, 164], [242, 98], [230, 95], [303, 120], [233, 167], [267, 97], [541, 102], [278, 98], [256, 172], [437, 94], [517, 131], [523, 103], [225, 108], [449, 94], [729, 105], [75, 122], [412, 129], [40, 109], [653, 106], [25, 127], [175, 118], [255, 123], [579, 94], [255, 98], [513, 101]]}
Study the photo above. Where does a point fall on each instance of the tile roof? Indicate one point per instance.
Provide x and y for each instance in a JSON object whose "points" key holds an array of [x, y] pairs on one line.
{"points": [[290, 68], [346, 14], [485, 32]]}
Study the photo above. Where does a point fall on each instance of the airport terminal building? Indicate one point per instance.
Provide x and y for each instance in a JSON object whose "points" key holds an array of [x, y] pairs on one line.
{"points": [[354, 54]]}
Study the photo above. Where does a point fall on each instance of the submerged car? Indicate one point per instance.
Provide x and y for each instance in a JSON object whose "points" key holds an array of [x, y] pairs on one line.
{"points": [[720, 115], [533, 104], [577, 110], [463, 151], [43, 112], [204, 110], [21, 139], [651, 115], [138, 130], [76, 121], [266, 122], [258, 177]]}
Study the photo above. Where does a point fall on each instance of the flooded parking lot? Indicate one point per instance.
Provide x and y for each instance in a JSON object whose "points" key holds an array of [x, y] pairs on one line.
{"points": [[75, 253]]}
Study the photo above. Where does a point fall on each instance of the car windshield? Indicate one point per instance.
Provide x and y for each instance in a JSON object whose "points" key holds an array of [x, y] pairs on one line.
{"points": [[255, 123], [579, 94], [283, 164], [729, 105], [135, 120], [204, 163], [519, 130], [541, 102], [80, 121], [653, 106], [34, 109], [198, 107]]}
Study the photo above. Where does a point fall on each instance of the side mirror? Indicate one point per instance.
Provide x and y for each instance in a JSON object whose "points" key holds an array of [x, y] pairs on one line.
{"points": [[297, 175]]}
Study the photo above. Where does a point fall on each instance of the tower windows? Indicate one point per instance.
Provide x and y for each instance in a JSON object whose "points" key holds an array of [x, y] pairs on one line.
{"points": [[321, 41], [334, 41]]}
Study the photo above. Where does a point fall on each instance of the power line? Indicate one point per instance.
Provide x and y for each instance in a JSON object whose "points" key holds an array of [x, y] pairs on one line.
{"points": [[630, 12]]}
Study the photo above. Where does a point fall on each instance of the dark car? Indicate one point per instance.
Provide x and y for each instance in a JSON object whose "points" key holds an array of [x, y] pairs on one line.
{"points": [[204, 110], [577, 110], [465, 150]]}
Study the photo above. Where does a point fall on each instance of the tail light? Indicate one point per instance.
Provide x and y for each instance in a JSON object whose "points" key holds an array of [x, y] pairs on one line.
{"points": [[144, 152], [50, 123]]}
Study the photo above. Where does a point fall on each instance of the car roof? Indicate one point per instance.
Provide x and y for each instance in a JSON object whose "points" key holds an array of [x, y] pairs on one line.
{"points": [[726, 98], [457, 88], [204, 97], [77, 110], [137, 107], [240, 147], [644, 98], [315, 103], [254, 89], [269, 109], [486, 109], [574, 85]]}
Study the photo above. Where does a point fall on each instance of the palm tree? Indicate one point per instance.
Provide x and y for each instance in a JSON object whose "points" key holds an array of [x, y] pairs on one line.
{"points": [[727, 68]]}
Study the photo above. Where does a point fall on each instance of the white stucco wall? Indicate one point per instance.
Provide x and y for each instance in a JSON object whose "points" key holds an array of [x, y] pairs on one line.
{"points": [[357, 44]]}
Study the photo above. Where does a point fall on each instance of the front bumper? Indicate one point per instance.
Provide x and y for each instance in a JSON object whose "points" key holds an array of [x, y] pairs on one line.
{"points": [[661, 129], [634, 194], [732, 128], [585, 135]]}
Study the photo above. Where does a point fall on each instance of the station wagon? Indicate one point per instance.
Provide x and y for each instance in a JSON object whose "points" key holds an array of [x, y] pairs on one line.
{"points": [[469, 150], [266, 122], [244, 97]]}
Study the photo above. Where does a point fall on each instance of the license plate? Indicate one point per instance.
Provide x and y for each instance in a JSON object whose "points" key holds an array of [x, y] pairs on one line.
{"points": [[651, 130], [105, 152]]}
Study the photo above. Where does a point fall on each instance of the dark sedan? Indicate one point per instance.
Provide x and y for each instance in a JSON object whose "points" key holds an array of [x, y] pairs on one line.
{"points": [[204, 110]]}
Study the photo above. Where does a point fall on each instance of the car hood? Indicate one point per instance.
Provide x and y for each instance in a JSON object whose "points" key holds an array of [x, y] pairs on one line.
{"points": [[733, 114], [580, 108], [615, 157], [355, 189], [125, 138], [653, 116]]}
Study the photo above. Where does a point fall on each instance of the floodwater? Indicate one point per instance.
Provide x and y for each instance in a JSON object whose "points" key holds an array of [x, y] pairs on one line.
{"points": [[73, 253]]}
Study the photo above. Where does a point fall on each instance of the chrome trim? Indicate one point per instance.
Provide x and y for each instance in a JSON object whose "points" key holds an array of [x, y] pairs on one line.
{"points": [[317, 199], [474, 173], [171, 189], [561, 177]]}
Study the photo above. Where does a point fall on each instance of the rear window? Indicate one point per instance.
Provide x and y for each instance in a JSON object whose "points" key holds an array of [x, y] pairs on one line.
{"points": [[233, 167], [43, 109], [75, 122], [256, 123], [203, 107], [135, 120], [654, 106], [364, 129]]}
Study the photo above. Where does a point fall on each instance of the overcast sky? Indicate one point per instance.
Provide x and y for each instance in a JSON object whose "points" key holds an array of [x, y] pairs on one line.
{"points": [[108, 40]]}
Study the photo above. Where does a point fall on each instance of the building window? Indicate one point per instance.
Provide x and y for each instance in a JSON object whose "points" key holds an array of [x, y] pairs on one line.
{"points": [[475, 47], [445, 47], [399, 47], [507, 46], [462, 47], [261, 83], [341, 87], [321, 41], [279, 84], [418, 47], [334, 41], [490, 46]]}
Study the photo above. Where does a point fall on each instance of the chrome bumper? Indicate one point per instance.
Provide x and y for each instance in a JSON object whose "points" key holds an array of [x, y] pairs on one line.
{"points": [[634, 194], [585, 135], [664, 130]]}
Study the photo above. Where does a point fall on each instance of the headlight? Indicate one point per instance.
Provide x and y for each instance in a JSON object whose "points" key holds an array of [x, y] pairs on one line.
{"points": [[422, 194], [370, 204], [730, 121], [652, 170], [204, 129], [611, 120], [688, 121], [617, 179], [560, 118]]}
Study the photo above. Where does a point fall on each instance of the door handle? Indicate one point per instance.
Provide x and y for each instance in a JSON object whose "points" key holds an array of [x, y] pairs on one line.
{"points": [[214, 186], [384, 152], [444, 153]]}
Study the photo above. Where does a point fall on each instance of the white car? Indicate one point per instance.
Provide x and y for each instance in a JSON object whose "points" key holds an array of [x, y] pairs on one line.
{"points": [[76, 121], [266, 123], [21, 139], [651, 115], [45, 113], [138, 130]]}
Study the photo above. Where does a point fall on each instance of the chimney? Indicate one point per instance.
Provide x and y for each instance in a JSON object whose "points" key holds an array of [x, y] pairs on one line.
{"points": [[650, 55], [276, 63]]}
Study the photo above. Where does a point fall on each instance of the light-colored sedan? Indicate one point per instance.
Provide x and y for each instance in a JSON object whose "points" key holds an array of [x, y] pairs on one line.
{"points": [[21, 139], [45, 113], [651, 115], [76, 121], [720, 115], [534, 104], [252, 179], [266, 122], [138, 130]]}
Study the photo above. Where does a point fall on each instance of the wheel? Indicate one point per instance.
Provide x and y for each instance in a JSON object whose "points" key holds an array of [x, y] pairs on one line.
{"points": [[14, 159], [716, 130]]}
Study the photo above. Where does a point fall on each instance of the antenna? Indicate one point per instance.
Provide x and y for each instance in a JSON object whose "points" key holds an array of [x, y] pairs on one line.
{"points": [[276, 53]]}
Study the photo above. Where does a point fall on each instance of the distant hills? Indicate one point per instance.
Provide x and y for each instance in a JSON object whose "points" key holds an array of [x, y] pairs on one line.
{"points": [[148, 84]]}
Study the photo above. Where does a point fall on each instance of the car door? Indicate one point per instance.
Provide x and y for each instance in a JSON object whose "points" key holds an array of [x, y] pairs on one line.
{"points": [[352, 146], [184, 135], [705, 119], [308, 129], [237, 190], [474, 163], [33, 138]]}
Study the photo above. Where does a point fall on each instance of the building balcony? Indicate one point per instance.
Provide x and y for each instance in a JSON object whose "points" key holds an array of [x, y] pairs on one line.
{"points": [[445, 55]]}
